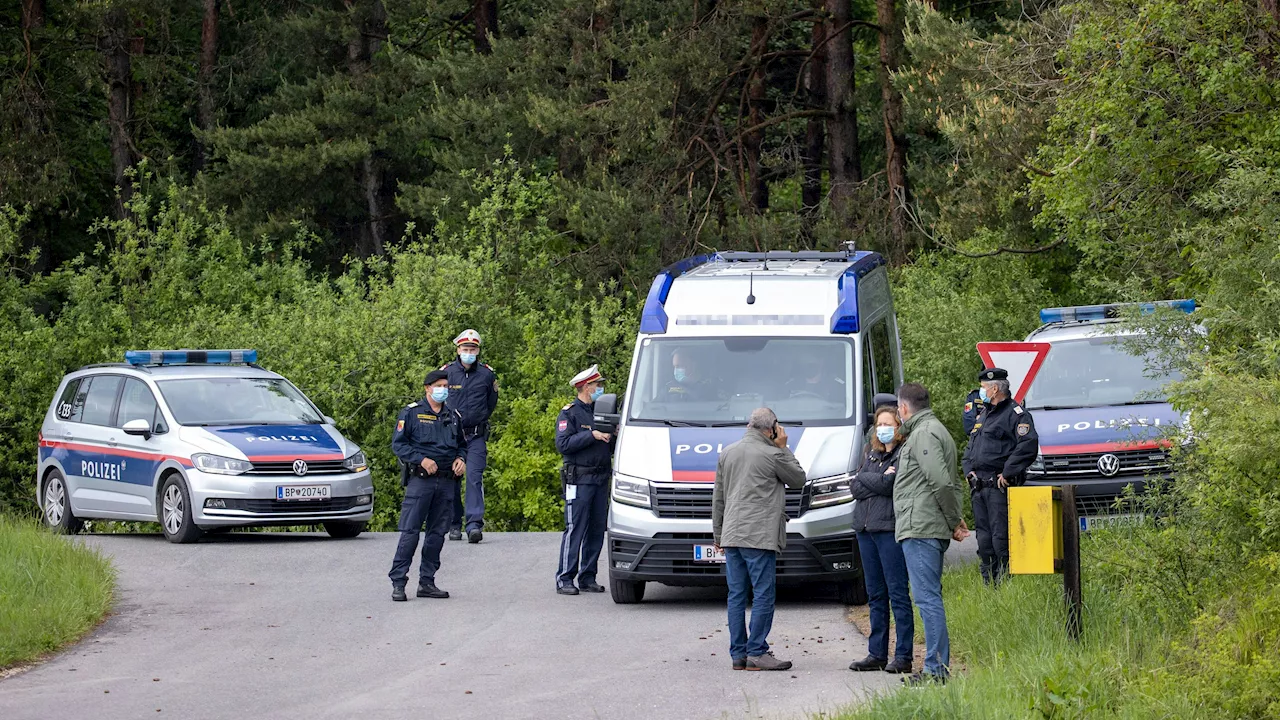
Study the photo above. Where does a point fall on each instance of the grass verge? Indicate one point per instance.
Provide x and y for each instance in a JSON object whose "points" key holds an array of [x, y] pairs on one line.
{"points": [[52, 590]]}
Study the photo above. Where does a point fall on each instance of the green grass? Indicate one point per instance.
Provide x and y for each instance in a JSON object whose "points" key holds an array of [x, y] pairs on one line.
{"points": [[1016, 661], [52, 590]]}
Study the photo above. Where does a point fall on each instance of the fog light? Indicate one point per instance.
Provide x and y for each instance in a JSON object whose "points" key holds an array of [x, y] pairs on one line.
{"points": [[622, 565], [364, 499], [842, 566], [217, 503]]}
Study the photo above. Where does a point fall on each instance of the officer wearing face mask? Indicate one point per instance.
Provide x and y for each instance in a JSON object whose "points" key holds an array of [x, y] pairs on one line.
{"points": [[1002, 445], [587, 471], [473, 389]]}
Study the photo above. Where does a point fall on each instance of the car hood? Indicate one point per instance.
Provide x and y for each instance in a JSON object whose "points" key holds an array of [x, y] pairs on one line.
{"points": [[1104, 429], [664, 454], [267, 443]]}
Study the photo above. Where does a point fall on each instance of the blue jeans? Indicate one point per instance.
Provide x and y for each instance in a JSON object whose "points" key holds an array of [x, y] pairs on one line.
{"points": [[924, 567], [884, 569], [749, 569], [477, 458]]}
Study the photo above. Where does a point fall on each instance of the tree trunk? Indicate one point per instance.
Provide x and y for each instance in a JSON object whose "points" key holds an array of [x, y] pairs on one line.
{"points": [[814, 133], [753, 143], [114, 47], [484, 13], [208, 61], [895, 136], [371, 27], [842, 126], [1267, 30], [32, 14]]}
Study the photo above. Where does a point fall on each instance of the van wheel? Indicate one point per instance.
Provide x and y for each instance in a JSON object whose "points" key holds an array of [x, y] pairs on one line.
{"points": [[175, 512], [626, 592], [57, 506], [852, 592], [343, 529]]}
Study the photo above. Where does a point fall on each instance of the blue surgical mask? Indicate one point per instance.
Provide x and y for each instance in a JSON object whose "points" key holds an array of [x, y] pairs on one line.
{"points": [[439, 394], [678, 374], [595, 394], [467, 358], [885, 433], [983, 396]]}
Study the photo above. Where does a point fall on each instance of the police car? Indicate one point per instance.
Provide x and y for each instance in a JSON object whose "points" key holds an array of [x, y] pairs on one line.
{"points": [[196, 440], [1101, 411]]}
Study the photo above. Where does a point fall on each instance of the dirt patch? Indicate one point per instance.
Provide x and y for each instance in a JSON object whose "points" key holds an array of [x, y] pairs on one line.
{"points": [[860, 616]]}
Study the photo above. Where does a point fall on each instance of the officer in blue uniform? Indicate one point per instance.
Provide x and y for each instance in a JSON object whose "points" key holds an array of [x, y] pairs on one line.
{"points": [[1002, 445], [587, 470], [972, 408], [473, 392], [428, 441]]}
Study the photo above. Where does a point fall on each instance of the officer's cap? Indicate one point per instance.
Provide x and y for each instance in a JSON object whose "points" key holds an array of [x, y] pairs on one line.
{"points": [[434, 376], [990, 374], [467, 337], [591, 374], [884, 400]]}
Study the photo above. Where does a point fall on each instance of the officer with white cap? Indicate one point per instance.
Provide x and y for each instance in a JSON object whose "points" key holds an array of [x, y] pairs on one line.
{"points": [[587, 470], [473, 391]]}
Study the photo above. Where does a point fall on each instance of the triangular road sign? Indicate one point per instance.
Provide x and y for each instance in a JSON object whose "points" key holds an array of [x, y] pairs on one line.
{"points": [[1021, 359]]}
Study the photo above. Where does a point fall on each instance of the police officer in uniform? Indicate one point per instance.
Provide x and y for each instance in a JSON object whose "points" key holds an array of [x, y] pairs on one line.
{"points": [[972, 408], [588, 466], [687, 382], [428, 441], [1002, 445], [473, 392]]}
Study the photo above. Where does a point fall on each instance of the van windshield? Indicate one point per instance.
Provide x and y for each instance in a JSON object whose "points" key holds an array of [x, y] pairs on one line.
{"points": [[237, 401], [719, 381], [1095, 372]]}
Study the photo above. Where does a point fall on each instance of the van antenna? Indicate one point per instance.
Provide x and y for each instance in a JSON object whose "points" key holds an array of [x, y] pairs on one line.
{"points": [[851, 246], [751, 286]]}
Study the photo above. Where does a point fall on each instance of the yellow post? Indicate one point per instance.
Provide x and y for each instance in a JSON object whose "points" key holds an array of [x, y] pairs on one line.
{"points": [[1035, 531]]}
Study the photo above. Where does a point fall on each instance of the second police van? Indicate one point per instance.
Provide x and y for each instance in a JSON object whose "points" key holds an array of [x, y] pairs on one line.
{"points": [[812, 336], [196, 440], [1101, 411]]}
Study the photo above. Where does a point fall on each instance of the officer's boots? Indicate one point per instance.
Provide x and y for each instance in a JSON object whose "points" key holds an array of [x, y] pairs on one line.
{"points": [[429, 590], [397, 593]]}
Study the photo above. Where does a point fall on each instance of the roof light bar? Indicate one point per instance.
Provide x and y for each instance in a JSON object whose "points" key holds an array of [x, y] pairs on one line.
{"points": [[190, 357], [1112, 310], [653, 319]]}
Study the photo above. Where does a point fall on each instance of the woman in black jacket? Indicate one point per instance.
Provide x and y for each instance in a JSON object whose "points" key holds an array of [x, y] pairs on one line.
{"points": [[883, 566]]}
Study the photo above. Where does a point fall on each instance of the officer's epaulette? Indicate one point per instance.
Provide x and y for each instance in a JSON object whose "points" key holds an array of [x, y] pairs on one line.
{"points": [[1017, 409], [488, 367], [412, 405], [566, 407], [445, 366]]}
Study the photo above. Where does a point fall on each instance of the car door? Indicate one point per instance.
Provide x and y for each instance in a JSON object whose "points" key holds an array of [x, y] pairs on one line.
{"points": [[139, 457], [95, 444]]}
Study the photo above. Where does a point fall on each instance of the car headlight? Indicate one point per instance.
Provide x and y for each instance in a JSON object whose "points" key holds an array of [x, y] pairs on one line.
{"points": [[220, 465], [631, 491], [356, 462], [830, 491], [1037, 466]]}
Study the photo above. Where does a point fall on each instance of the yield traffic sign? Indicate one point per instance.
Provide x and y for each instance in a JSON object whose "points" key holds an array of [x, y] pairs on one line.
{"points": [[1021, 359]]}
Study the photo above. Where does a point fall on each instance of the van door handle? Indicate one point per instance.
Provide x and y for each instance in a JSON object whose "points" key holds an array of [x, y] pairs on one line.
{"points": [[111, 442]]}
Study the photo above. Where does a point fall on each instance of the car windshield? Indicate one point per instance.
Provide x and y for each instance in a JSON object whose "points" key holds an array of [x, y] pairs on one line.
{"points": [[1095, 372], [237, 401], [719, 381]]}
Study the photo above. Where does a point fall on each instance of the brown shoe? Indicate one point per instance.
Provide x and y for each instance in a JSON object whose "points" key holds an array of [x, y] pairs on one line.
{"points": [[767, 662]]}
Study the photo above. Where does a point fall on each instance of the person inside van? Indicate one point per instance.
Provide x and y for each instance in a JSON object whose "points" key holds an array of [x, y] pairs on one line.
{"points": [[687, 383]]}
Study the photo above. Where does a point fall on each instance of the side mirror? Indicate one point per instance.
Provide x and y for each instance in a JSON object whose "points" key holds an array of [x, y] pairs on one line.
{"points": [[605, 413], [138, 427]]}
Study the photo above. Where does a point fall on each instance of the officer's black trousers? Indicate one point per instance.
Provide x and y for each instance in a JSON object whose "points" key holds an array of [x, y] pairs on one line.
{"points": [[991, 525], [586, 516], [429, 501]]}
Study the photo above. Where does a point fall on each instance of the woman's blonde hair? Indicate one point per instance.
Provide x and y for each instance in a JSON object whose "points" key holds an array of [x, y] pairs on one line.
{"points": [[897, 435]]}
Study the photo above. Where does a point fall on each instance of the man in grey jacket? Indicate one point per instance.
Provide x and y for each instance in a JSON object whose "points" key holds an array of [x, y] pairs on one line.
{"points": [[749, 519]]}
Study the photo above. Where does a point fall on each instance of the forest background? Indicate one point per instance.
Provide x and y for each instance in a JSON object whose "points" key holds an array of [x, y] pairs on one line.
{"points": [[346, 184]]}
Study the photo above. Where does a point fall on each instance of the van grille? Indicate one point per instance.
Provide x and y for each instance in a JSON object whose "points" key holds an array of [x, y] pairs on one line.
{"points": [[683, 502]]}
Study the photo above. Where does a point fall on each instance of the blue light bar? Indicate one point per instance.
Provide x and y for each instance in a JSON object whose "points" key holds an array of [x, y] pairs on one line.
{"points": [[189, 357], [653, 319], [845, 319], [1083, 313]]}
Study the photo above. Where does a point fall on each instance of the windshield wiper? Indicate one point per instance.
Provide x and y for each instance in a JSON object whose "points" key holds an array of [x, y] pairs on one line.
{"points": [[1145, 402], [730, 423], [672, 423], [1059, 407]]}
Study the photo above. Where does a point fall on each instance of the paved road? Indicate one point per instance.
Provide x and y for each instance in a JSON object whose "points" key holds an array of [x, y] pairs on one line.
{"points": [[301, 626]]}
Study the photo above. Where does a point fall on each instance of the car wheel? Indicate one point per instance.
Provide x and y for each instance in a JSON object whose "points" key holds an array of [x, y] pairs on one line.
{"points": [[626, 592], [852, 592], [56, 506], [343, 529], [175, 512]]}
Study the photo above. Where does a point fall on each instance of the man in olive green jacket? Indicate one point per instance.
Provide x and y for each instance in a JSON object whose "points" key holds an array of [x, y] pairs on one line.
{"points": [[926, 503], [749, 521]]}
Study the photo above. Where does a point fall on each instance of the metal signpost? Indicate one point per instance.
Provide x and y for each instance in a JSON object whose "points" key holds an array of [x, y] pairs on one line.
{"points": [[1044, 539]]}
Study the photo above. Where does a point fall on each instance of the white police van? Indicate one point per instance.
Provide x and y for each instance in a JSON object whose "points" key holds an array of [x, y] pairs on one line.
{"points": [[811, 335], [1101, 411], [196, 440]]}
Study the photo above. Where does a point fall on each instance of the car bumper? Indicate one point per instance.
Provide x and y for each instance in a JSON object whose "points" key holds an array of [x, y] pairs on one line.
{"points": [[251, 499], [643, 547]]}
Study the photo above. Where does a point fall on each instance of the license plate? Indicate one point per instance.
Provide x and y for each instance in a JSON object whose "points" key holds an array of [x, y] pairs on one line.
{"points": [[303, 492], [1097, 522], [708, 554]]}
